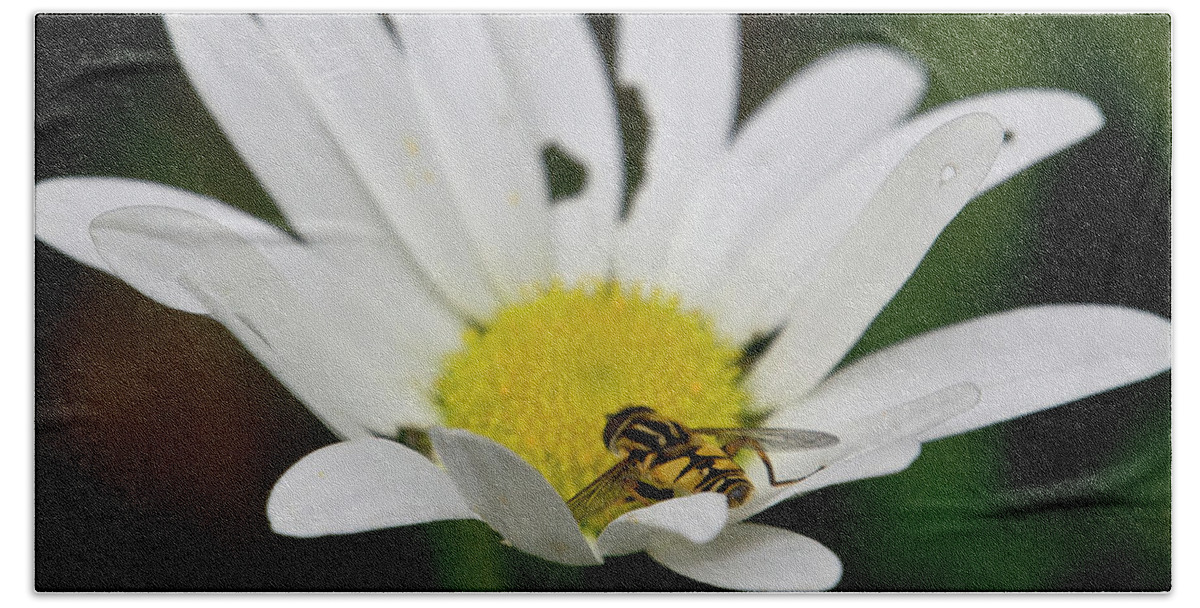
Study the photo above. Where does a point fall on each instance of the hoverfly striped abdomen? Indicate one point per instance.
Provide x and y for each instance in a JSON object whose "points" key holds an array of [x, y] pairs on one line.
{"points": [[663, 459], [671, 460]]}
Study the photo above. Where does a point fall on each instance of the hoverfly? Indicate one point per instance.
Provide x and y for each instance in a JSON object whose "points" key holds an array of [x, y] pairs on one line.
{"points": [[663, 459]]}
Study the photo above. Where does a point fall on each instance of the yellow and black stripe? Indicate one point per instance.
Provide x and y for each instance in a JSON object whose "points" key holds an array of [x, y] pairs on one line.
{"points": [[672, 460], [662, 459]]}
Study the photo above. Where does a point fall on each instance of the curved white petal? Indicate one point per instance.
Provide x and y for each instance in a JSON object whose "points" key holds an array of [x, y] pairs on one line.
{"points": [[686, 69], [362, 485], [512, 497], [1022, 360], [891, 458], [831, 107], [487, 152], [876, 435], [778, 250], [838, 468], [883, 247], [583, 241], [1003, 366], [870, 419], [153, 246], [697, 518], [882, 461], [1037, 123], [827, 110], [261, 104], [754, 557], [65, 207], [323, 140], [556, 71], [352, 76], [377, 308], [376, 315]]}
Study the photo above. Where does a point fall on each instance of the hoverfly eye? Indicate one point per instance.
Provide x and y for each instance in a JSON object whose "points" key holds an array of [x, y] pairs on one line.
{"points": [[617, 421], [737, 496]]}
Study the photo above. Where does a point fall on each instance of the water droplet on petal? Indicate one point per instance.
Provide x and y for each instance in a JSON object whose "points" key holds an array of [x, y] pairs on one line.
{"points": [[949, 172]]}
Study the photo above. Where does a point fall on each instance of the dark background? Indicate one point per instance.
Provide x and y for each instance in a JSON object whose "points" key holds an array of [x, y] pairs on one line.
{"points": [[158, 437]]}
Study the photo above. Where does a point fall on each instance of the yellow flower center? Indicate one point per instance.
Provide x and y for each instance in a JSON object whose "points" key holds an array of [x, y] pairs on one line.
{"points": [[542, 375]]}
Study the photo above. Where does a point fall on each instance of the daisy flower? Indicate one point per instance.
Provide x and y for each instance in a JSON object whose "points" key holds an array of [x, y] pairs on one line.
{"points": [[465, 323]]}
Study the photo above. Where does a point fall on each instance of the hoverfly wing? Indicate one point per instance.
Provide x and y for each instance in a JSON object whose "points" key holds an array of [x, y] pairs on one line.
{"points": [[781, 440], [609, 489]]}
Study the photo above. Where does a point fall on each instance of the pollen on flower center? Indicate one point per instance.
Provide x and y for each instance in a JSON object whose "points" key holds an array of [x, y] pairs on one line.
{"points": [[542, 375]]}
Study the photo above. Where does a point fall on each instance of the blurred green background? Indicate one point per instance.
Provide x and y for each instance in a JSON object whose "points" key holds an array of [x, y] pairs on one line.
{"points": [[158, 438]]}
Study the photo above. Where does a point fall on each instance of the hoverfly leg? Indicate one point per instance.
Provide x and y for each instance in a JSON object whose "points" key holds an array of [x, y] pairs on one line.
{"points": [[758, 449]]}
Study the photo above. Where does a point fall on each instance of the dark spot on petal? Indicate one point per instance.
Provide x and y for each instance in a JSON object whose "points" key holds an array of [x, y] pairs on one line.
{"points": [[635, 132], [756, 348], [393, 33], [565, 175]]}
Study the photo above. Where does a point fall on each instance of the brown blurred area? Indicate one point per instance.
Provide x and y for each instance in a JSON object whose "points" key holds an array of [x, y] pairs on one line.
{"points": [[167, 407], [157, 441]]}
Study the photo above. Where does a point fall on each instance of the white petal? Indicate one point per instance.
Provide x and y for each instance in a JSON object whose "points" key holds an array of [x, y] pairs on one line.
{"points": [[362, 485], [881, 250], [380, 310], [1022, 361], [152, 246], [377, 314], [347, 76], [697, 518], [392, 333], [877, 434], [512, 497], [1005, 365], [65, 208], [488, 153], [1037, 123], [827, 110], [882, 461], [583, 241], [831, 107], [891, 458], [777, 250], [257, 99], [867, 420], [753, 557], [686, 70], [555, 68]]}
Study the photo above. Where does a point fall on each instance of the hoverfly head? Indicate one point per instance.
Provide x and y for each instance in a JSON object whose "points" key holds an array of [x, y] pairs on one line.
{"points": [[618, 421], [738, 494]]}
